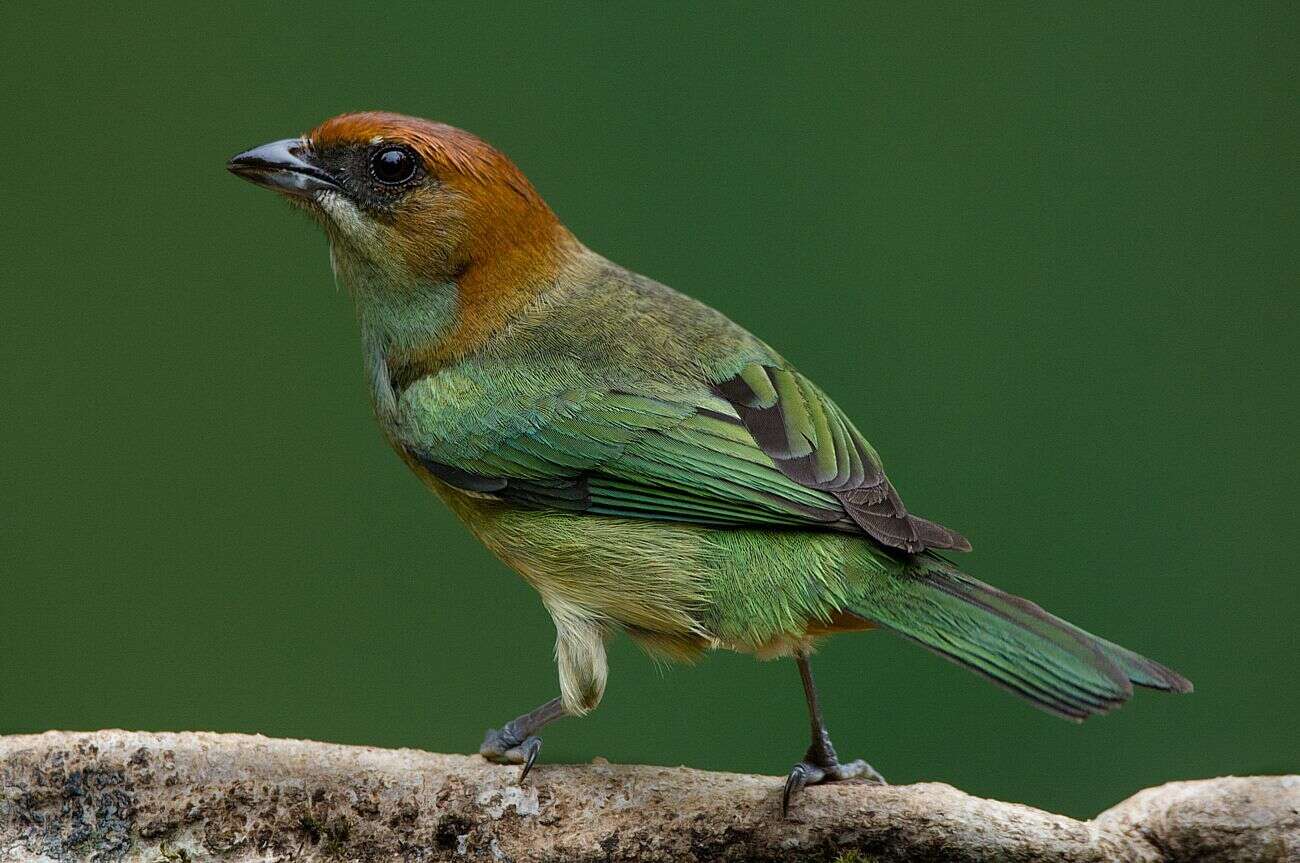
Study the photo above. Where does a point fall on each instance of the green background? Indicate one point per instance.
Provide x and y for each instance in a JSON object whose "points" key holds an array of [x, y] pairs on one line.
{"points": [[1045, 256]]}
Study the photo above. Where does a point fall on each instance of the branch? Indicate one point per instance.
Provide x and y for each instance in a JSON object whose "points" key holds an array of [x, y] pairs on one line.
{"points": [[180, 797]]}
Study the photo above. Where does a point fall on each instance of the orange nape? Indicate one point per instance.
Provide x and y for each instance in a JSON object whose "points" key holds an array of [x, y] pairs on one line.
{"points": [[482, 224]]}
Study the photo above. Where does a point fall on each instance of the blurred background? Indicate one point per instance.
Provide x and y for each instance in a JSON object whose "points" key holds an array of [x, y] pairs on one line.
{"points": [[1055, 249]]}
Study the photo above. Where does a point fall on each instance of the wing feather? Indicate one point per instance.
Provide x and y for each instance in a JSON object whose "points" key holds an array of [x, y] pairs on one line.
{"points": [[813, 443], [763, 447]]}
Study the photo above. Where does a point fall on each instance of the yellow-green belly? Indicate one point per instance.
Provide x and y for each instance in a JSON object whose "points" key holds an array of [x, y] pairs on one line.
{"points": [[677, 588]]}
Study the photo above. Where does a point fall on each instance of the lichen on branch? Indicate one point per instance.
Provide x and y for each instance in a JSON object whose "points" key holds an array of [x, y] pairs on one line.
{"points": [[117, 795]]}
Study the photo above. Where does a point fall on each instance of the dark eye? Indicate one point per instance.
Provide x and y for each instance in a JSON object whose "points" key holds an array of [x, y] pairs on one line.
{"points": [[392, 165]]}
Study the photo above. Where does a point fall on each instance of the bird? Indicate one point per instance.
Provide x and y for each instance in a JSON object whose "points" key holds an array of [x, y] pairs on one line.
{"points": [[643, 462]]}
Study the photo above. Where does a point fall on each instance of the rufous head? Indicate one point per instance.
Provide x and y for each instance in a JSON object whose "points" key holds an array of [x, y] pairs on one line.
{"points": [[399, 191]]}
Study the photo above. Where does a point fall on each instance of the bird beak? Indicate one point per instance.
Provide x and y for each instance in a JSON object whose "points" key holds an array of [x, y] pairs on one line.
{"points": [[285, 166]]}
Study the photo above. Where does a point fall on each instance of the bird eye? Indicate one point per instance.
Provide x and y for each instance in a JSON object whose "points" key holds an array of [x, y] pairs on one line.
{"points": [[392, 165]]}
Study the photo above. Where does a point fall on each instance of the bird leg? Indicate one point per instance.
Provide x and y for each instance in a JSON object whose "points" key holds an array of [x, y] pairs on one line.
{"points": [[517, 742], [820, 763]]}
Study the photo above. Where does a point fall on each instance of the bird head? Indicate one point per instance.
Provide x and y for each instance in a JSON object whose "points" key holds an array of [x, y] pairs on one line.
{"points": [[421, 216], [409, 194]]}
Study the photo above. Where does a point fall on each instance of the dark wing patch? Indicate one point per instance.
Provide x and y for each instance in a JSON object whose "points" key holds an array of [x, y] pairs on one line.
{"points": [[568, 493], [707, 500], [814, 444]]}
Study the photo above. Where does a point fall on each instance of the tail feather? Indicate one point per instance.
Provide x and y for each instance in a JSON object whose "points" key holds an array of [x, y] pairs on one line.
{"points": [[1043, 659], [1146, 672]]}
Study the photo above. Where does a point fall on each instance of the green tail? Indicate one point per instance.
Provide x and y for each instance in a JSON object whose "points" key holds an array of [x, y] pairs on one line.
{"points": [[1053, 664]]}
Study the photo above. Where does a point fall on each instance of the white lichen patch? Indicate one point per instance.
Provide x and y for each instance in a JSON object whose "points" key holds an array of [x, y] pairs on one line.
{"points": [[495, 801]]}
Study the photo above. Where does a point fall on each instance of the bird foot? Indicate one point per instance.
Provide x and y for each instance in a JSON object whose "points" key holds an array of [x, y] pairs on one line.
{"points": [[807, 773], [500, 746]]}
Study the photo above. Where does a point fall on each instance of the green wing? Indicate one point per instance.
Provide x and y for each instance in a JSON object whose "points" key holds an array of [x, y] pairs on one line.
{"points": [[811, 441], [762, 448]]}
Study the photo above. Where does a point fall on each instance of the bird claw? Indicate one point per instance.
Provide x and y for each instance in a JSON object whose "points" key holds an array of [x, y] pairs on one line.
{"points": [[806, 773], [502, 747], [801, 775], [531, 747]]}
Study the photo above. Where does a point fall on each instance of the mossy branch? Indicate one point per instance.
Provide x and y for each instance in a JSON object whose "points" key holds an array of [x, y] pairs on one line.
{"points": [[117, 795]]}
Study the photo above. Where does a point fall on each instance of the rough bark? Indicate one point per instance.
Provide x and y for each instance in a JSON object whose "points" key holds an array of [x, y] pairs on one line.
{"points": [[117, 795]]}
